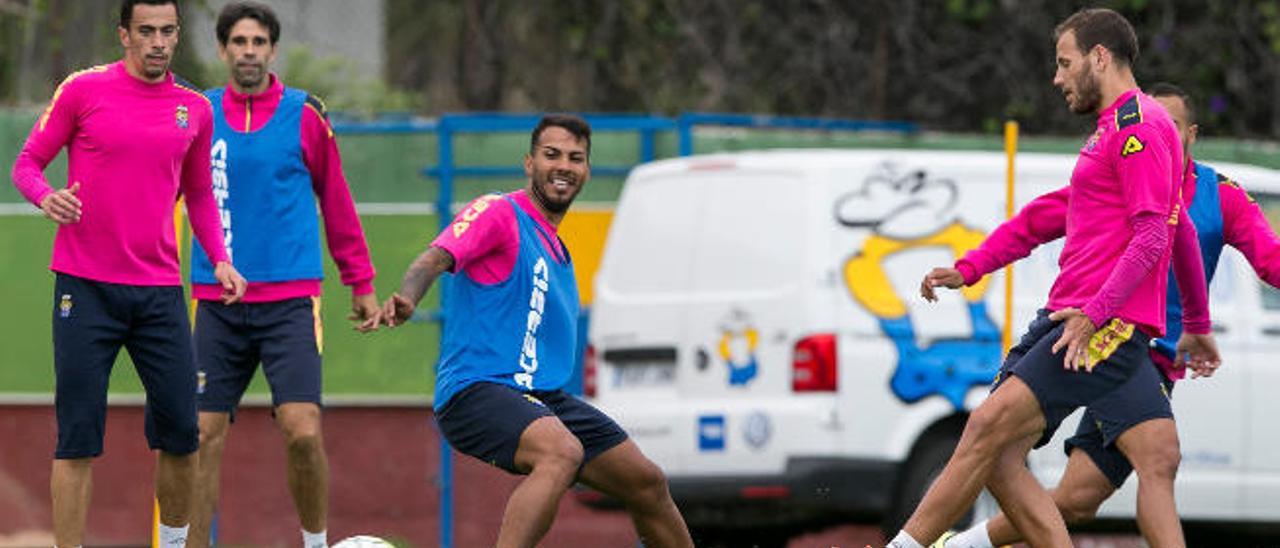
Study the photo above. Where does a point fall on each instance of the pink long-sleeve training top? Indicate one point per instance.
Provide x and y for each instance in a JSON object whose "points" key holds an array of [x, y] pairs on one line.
{"points": [[134, 147]]}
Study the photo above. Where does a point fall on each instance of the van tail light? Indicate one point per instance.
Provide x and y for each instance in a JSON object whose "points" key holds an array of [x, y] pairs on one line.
{"points": [[589, 368], [813, 364]]}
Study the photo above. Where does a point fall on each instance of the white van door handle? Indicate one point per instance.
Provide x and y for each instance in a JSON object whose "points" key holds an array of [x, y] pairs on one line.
{"points": [[1272, 331]]}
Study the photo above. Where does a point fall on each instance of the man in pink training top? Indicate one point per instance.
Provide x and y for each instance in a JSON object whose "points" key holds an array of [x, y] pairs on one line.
{"points": [[136, 139], [1104, 307], [1223, 214], [274, 158]]}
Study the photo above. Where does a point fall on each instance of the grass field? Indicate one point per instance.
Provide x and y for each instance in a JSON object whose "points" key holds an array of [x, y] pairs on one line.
{"points": [[395, 361]]}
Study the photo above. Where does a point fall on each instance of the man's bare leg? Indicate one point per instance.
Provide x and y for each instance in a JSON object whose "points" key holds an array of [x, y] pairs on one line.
{"points": [[213, 439], [1152, 447], [308, 467], [623, 472], [71, 484], [1082, 490], [551, 455], [1010, 414]]}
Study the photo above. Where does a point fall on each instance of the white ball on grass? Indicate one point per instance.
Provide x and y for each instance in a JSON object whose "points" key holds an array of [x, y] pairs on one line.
{"points": [[362, 541]]}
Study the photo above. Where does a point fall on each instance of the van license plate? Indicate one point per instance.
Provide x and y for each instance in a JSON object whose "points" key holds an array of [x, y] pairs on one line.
{"points": [[638, 375]]}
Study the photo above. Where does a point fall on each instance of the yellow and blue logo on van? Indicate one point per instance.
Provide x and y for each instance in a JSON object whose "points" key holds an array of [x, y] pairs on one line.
{"points": [[737, 347], [915, 213]]}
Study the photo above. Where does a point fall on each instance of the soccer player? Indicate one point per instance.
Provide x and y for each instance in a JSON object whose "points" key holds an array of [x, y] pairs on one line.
{"points": [[137, 137], [508, 350], [274, 156], [1103, 309], [1224, 214]]}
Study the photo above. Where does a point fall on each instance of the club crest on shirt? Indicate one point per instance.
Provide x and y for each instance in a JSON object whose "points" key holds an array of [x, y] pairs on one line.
{"points": [[1092, 143], [181, 116]]}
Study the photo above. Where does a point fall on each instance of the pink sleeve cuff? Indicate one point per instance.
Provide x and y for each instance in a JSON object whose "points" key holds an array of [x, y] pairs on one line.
{"points": [[1197, 328], [363, 287], [1095, 313], [968, 271]]}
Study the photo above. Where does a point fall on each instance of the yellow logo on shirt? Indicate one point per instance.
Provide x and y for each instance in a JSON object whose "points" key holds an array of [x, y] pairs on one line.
{"points": [[1132, 146], [473, 212]]}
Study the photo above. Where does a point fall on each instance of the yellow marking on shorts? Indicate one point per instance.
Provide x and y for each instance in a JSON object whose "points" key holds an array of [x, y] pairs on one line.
{"points": [[1107, 340], [319, 329]]}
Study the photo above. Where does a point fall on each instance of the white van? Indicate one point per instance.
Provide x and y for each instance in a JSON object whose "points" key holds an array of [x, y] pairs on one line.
{"points": [[757, 330]]}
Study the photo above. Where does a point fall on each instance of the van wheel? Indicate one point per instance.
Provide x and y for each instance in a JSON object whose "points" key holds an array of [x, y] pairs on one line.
{"points": [[926, 463]]}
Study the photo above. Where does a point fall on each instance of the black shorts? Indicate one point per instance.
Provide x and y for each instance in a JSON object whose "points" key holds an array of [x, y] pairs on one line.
{"points": [[91, 322], [1096, 436], [485, 420], [231, 340], [1122, 386]]}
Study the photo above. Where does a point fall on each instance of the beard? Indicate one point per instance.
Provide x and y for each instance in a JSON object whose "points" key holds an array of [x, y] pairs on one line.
{"points": [[249, 77], [552, 203], [1088, 94]]}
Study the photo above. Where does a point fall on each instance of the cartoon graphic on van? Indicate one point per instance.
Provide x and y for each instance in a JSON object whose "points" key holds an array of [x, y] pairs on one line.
{"points": [[908, 212], [737, 347]]}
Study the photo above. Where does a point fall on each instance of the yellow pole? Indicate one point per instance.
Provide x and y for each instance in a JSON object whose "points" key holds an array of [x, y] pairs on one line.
{"points": [[178, 233], [1010, 152]]}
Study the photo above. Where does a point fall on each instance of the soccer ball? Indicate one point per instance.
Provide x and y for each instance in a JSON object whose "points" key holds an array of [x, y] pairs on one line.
{"points": [[363, 541]]}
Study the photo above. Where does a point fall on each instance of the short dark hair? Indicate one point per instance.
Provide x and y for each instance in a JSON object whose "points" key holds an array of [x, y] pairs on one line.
{"points": [[573, 124], [1165, 89], [1096, 26], [232, 13], [126, 9]]}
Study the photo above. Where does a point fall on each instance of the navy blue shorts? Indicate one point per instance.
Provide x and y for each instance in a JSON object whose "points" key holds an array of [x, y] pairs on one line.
{"points": [[1097, 436], [231, 340], [91, 321], [485, 420], [1120, 387]]}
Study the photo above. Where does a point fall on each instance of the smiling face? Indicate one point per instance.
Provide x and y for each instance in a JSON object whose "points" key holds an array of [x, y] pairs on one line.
{"points": [[557, 167], [150, 40], [1075, 77], [248, 54]]}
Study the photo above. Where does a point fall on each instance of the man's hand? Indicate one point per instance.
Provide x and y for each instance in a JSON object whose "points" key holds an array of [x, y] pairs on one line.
{"points": [[949, 278], [1198, 352], [62, 206], [233, 284], [1076, 332], [366, 312], [397, 310]]}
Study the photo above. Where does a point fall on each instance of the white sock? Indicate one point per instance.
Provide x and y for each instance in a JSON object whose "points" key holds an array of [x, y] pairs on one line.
{"points": [[903, 540], [173, 537], [315, 540], [973, 537]]}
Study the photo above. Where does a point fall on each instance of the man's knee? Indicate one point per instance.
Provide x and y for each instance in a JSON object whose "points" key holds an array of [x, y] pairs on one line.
{"points": [[300, 426], [992, 428], [1158, 462], [552, 450], [1077, 504], [213, 430], [648, 486]]}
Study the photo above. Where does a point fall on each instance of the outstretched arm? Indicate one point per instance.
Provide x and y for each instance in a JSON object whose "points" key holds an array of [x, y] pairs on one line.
{"points": [[417, 280], [1245, 228], [1042, 220]]}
